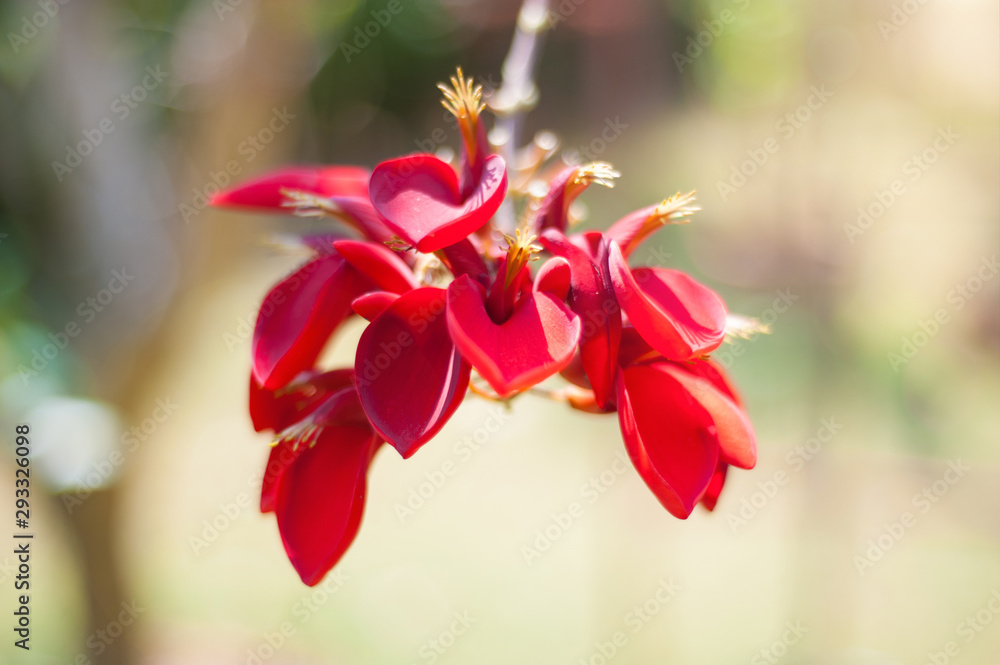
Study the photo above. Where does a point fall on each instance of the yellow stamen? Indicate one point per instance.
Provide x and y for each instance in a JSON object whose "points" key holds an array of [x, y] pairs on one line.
{"points": [[429, 269], [309, 205], [397, 244], [520, 250], [464, 100], [743, 327], [674, 210], [599, 172], [287, 244]]}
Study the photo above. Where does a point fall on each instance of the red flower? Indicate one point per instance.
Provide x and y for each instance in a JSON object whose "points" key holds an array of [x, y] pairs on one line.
{"points": [[445, 297], [315, 479], [419, 199]]}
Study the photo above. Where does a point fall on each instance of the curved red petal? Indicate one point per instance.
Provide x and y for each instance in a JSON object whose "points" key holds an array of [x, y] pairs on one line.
{"points": [[714, 488], [737, 442], [629, 231], [554, 277], [409, 374], [537, 341], [633, 348], [371, 304], [418, 198], [321, 497], [554, 208], [360, 213], [669, 436], [714, 374], [282, 454], [265, 192], [298, 316], [463, 258], [679, 317], [336, 404], [378, 263], [574, 372], [276, 410], [592, 298]]}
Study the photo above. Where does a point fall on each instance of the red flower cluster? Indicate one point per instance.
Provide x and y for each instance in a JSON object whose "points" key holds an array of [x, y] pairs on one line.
{"points": [[445, 294]]}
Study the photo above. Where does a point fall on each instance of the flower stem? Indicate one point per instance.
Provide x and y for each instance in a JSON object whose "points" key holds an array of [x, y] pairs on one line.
{"points": [[517, 92]]}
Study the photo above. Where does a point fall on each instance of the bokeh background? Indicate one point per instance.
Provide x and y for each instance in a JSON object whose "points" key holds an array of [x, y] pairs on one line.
{"points": [[145, 463]]}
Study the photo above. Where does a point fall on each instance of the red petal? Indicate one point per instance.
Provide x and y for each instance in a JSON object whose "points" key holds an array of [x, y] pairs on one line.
{"points": [[299, 315], [276, 410], [711, 372], [337, 405], [592, 298], [463, 258], [668, 435], [574, 372], [554, 277], [634, 349], [554, 208], [410, 376], [379, 264], [265, 192], [418, 198], [629, 231], [321, 497], [536, 341], [679, 317], [282, 455], [715, 487], [360, 213], [370, 305], [737, 443]]}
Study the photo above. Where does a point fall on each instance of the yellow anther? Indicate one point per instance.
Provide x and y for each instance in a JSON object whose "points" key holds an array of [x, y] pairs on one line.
{"points": [[600, 172], [744, 327], [309, 205], [520, 250], [463, 98], [674, 210]]}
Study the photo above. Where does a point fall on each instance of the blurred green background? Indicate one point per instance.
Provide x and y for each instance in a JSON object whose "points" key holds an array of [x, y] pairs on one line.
{"points": [[864, 227]]}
